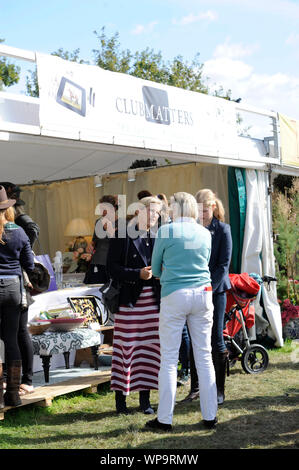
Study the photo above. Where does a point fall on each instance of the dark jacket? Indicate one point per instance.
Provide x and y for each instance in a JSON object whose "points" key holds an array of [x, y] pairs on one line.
{"points": [[16, 253], [220, 255], [31, 228], [129, 273]]}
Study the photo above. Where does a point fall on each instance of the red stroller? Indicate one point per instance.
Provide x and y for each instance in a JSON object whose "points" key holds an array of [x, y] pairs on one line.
{"points": [[240, 314]]}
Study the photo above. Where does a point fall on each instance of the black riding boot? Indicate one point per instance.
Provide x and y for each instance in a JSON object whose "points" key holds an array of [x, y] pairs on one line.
{"points": [[1, 387], [120, 402], [220, 363], [144, 401], [194, 392]]}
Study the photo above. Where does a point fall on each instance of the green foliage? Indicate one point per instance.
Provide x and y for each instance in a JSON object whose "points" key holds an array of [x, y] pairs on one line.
{"points": [[109, 56], [286, 229], [71, 56], [283, 183], [146, 64], [143, 163], [9, 73]]}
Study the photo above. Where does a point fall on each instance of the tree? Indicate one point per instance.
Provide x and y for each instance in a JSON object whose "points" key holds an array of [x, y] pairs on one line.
{"points": [[146, 64], [286, 229], [9, 73]]}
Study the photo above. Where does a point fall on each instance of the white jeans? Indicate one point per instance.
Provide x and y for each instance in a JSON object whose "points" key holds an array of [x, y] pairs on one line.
{"points": [[195, 306]]}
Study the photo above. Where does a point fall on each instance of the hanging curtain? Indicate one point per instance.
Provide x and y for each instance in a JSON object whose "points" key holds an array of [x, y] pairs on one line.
{"points": [[237, 211], [258, 255]]}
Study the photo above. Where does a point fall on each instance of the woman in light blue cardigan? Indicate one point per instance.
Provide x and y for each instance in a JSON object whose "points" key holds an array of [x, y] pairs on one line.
{"points": [[180, 259]]}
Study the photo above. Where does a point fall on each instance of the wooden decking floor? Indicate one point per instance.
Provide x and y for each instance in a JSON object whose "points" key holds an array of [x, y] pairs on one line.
{"points": [[43, 396]]}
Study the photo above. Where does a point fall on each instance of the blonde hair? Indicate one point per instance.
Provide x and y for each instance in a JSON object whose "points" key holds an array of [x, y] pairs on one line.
{"points": [[6, 215], [183, 205], [10, 214], [147, 201], [206, 196]]}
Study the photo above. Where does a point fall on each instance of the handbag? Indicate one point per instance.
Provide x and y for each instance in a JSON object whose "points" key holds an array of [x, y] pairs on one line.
{"points": [[111, 290], [110, 295]]}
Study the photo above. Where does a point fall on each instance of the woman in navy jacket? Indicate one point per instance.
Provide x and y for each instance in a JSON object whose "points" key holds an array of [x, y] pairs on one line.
{"points": [[136, 345], [213, 220], [15, 254]]}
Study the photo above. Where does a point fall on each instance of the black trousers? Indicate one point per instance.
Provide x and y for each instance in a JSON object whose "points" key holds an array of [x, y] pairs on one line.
{"points": [[26, 349], [218, 345], [10, 311]]}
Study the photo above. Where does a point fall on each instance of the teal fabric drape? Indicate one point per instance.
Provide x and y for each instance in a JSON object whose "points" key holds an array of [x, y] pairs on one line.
{"points": [[237, 210]]}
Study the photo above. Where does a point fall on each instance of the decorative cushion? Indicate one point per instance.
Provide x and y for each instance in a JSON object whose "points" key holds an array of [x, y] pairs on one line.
{"points": [[50, 343]]}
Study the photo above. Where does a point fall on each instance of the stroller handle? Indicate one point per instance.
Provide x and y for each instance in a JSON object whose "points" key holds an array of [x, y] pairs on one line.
{"points": [[268, 280]]}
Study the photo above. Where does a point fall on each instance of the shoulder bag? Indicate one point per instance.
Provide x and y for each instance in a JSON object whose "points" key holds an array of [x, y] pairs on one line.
{"points": [[111, 290]]}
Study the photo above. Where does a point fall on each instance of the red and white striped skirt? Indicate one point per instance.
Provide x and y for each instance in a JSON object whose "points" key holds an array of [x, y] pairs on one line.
{"points": [[136, 346]]}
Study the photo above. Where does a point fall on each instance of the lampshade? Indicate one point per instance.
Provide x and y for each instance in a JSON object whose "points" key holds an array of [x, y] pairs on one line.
{"points": [[78, 228]]}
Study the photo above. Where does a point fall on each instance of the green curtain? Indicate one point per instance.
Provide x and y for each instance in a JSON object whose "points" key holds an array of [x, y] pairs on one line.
{"points": [[237, 213]]}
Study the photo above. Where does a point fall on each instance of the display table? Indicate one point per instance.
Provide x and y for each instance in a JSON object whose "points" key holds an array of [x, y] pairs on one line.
{"points": [[57, 298], [54, 299], [50, 343]]}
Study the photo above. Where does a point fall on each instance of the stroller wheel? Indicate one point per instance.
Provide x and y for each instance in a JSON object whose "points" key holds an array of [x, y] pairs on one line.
{"points": [[255, 359]]}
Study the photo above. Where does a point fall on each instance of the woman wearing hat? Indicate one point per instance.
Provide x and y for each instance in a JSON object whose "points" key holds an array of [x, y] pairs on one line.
{"points": [[15, 254]]}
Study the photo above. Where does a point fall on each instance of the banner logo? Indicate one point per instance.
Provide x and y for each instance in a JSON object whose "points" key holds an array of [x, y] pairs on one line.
{"points": [[156, 102]]}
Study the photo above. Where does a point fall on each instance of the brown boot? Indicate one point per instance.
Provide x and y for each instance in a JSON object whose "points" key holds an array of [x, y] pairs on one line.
{"points": [[220, 363], [11, 396], [1, 387]]}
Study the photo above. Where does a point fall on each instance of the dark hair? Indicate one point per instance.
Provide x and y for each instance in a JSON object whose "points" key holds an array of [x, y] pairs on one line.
{"points": [[144, 193], [110, 199]]}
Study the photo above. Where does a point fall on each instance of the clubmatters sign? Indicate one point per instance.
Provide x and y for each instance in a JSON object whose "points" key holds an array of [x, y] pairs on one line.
{"points": [[117, 108]]}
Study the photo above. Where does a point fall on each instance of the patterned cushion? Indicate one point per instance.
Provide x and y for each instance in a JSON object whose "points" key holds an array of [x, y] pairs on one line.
{"points": [[50, 343]]}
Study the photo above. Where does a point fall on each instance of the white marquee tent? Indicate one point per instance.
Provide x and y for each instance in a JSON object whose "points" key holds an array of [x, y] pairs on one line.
{"points": [[88, 121]]}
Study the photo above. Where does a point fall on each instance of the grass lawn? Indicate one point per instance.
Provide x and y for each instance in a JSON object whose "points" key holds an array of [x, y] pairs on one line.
{"points": [[260, 412]]}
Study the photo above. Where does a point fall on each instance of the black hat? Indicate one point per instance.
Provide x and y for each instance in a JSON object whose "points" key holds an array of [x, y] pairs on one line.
{"points": [[20, 202], [39, 278], [11, 188]]}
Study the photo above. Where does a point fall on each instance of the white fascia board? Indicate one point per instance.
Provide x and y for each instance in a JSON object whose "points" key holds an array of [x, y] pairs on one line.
{"points": [[17, 53], [254, 110], [18, 128], [285, 170], [6, 95]]}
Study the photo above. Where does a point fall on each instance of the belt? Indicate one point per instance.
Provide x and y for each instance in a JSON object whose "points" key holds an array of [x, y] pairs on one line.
{"points": [[9, 277]]}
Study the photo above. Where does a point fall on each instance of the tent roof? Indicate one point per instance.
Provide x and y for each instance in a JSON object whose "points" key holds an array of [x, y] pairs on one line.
{"points": [[30, 158], [27, 155]]}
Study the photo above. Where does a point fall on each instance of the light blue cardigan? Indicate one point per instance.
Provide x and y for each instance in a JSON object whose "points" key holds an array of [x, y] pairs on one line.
{"points": [[181, 255]]}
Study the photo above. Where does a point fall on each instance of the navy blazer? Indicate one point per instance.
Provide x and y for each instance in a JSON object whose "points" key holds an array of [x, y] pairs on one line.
{"points": [[129, 273], [221, 253]]}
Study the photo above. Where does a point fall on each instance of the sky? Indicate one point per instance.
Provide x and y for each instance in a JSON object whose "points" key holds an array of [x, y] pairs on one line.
{"points": [[248, 46]]}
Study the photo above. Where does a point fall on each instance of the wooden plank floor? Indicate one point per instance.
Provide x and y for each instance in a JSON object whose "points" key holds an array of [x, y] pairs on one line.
{"points": [[43, 396]]}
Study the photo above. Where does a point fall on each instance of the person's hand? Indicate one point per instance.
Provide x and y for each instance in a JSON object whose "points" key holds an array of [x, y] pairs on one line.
{"points": [[108, 227], [146, 273]]}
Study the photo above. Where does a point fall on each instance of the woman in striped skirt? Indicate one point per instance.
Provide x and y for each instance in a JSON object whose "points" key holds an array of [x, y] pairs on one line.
{"points": [[136, 348]]}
